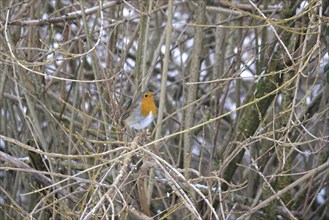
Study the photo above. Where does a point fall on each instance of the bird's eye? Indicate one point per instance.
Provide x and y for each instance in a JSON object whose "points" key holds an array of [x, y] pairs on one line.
{"points": [[145, 95]]}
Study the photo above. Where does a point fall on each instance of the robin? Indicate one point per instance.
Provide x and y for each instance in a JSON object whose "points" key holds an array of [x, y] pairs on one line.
{"points": [[143, 113]]}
